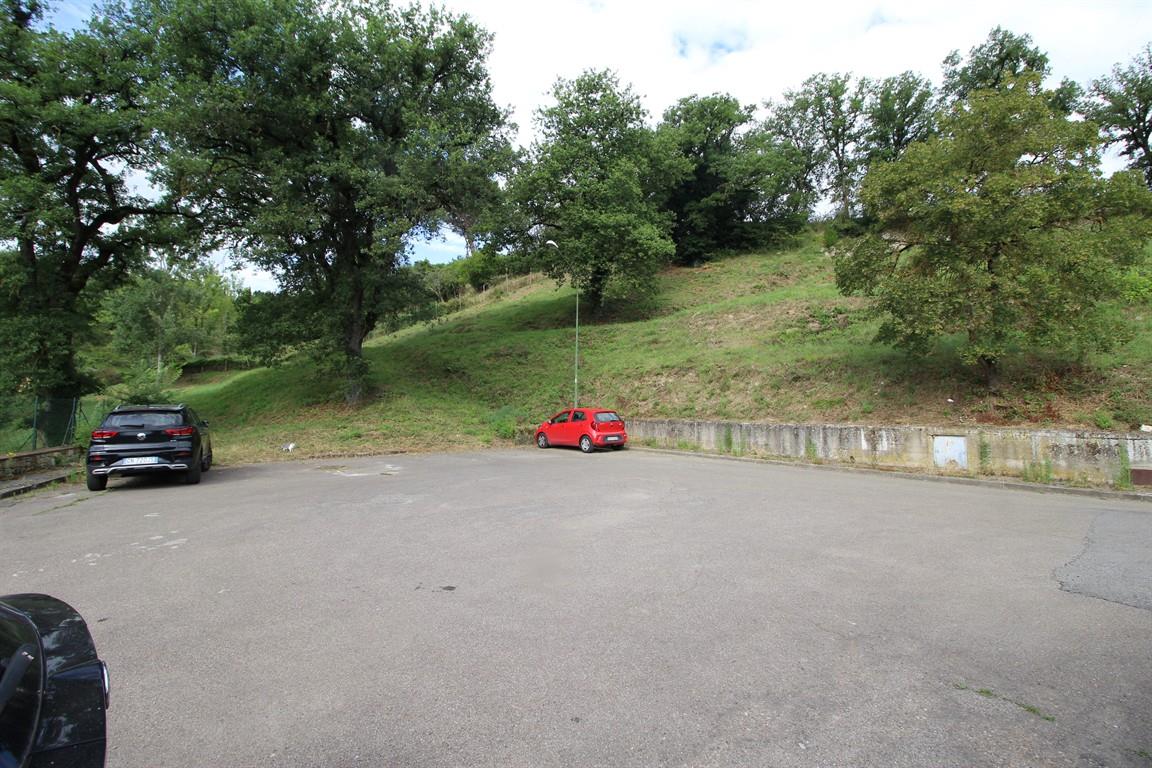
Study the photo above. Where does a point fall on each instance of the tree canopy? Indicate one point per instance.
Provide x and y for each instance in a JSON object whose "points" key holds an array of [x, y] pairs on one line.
{"points": [[175, 311], [590, 188], [824, 119], [739, 186], [1000, 228], [77, 133], [1002, 58], [898, 111], [316, 137], [1121, 104]]}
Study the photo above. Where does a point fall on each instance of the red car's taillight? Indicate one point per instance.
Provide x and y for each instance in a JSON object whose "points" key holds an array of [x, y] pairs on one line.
{"points": [[181, 431], [104, 434]]}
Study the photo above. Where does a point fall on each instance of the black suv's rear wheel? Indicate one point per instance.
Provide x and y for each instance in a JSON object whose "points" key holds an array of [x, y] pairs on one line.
{"points": [[192, 474], [97, 482]]}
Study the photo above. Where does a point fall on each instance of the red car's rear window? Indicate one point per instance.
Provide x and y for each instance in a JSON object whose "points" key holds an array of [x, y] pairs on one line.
{"points": [[608, 416]]}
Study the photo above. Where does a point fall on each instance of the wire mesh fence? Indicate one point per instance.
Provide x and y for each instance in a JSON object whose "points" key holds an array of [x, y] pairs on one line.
{"points": [[29, 423]]}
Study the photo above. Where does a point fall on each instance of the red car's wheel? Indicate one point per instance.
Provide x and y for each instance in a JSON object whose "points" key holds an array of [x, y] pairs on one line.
{"points": [[542, 440], [586, 444]]}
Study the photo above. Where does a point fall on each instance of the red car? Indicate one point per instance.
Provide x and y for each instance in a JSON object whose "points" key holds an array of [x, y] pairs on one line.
{"points": [[589, 428]]}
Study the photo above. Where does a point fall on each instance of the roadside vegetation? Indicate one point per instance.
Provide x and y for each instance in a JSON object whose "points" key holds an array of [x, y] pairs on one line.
{"points": [[979, 266], [756, 337]]}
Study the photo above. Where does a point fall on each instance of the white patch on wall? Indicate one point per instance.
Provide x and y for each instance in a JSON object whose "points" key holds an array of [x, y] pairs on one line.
{"points": [[950, 451]]}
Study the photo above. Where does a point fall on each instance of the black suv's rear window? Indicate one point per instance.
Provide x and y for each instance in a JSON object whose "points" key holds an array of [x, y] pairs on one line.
{"points": [[607, 416], [143, 419]]}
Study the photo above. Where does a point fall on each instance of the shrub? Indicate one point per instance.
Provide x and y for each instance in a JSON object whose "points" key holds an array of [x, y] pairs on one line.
{"points": [[145, 384]]}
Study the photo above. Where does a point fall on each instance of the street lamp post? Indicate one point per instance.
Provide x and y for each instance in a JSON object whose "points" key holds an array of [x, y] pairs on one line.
{"points": [[576, 356]]}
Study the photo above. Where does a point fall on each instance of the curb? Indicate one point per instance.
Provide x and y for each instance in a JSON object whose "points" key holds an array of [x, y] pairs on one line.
{"points": [[18, 487], [1011, 485]]}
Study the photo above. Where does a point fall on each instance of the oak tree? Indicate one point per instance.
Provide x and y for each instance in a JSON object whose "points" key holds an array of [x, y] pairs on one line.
{"points": [[739, 187], [1000, 228], [999, 60], [77, 141], [898, 111], [828, 113], [317, 137], [591, 186], [1121, 104]]}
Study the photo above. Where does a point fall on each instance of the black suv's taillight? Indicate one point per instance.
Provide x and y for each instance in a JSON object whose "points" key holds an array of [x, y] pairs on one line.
{"points": [[181, 431], [104, 434]]}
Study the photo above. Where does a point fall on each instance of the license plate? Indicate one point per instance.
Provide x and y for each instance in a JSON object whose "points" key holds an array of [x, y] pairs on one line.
{"points": [[135, 460], [612, 439]]}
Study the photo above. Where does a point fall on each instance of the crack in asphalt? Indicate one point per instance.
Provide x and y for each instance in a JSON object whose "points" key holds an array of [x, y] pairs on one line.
{"points": [[1115, 564]]}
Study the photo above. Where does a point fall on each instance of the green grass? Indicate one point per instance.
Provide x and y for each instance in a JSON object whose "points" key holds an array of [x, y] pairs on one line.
{"points": [[760, 337]]}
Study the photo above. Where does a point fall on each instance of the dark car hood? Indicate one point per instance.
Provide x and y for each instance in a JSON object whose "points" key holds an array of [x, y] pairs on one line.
{"points": [[71, 727]]}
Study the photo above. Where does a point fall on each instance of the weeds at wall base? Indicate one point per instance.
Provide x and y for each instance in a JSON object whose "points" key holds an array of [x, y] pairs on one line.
{"points": [[1037, 472], [810, 452], [985, 456], [1124, 476], [1040, 473]]}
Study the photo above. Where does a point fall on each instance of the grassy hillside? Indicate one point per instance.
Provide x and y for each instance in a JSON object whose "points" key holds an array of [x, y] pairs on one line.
{"points": [[763, 337]]}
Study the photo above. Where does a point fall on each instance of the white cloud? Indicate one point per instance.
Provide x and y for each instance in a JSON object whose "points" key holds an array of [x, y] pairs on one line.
{"points": [[755, 50]]}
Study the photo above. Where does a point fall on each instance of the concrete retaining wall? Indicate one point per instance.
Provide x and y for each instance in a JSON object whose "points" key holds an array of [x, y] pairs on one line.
{"points": [[1090, 458], [18, 464]]}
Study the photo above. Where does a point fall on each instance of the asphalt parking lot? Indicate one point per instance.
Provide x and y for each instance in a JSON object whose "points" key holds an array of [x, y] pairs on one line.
{"points": [[547, 608]]}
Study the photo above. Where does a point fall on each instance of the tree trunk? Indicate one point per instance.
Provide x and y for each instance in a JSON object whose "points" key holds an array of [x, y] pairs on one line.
{"points": [[53, 369], [350, 300], [594, 288], [354, 383], [990, 370], [355, 370]]}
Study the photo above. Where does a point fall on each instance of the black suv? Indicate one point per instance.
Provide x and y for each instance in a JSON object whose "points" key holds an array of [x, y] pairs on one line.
{"points": [[137, 439]]}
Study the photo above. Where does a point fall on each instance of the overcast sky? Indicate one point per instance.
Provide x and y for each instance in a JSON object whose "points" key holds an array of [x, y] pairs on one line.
{"points": [[756, 51]]}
